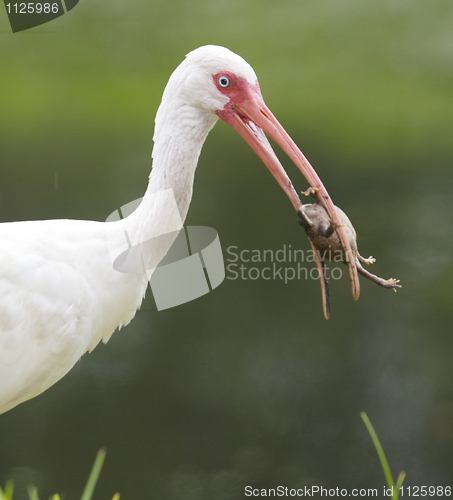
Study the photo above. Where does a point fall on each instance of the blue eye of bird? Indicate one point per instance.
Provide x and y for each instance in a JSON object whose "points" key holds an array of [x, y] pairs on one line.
{"points": [[224, 81]]}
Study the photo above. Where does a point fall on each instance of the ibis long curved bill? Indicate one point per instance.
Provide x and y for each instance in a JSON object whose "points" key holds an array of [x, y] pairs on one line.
{"points": [[251, 118]]}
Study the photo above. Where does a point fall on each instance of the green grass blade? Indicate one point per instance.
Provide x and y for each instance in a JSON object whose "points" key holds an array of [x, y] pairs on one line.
{"points": [[9, 490], [94, 475], [8, 493], [400, 480], [384, 463], [380, 451], [33, 493]]}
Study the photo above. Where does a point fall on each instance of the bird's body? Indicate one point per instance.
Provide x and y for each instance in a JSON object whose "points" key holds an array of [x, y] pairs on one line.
{"points": [[60, 293], [52, 306]]}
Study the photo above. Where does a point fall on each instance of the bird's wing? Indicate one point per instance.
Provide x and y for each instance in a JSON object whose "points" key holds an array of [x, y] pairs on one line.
{"points": [[59, 296]]}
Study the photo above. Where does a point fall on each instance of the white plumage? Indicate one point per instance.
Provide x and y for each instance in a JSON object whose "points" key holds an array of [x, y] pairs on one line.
{"points": [[59, 292]]}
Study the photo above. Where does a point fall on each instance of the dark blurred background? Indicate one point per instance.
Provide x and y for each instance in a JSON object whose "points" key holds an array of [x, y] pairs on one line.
{"points": [[248, 385]]}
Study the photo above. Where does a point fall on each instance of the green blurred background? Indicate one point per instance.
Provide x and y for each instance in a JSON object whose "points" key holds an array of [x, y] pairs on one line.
{"points": [[248, 385]]}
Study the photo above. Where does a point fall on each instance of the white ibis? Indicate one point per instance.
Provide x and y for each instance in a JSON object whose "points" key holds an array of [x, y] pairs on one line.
{"points": [[59, 292]]}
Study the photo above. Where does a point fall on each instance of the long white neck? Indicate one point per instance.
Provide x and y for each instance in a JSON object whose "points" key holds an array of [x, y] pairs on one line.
{"points": [[180, 132]]}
